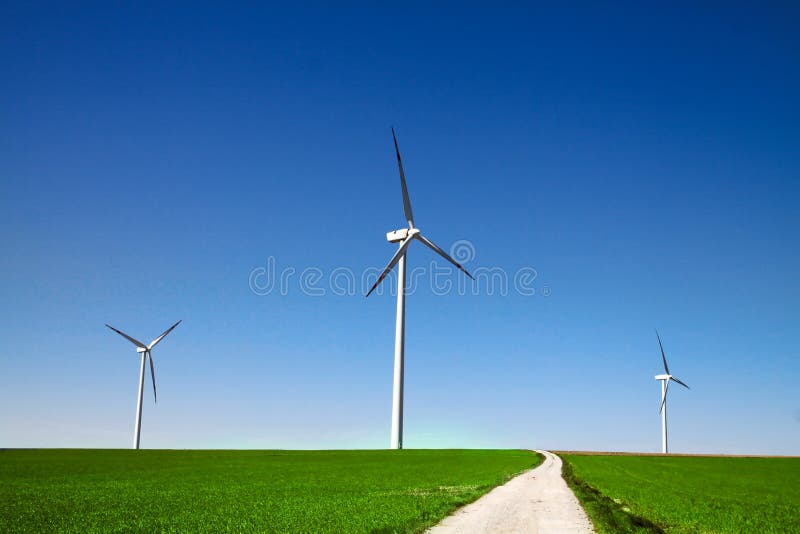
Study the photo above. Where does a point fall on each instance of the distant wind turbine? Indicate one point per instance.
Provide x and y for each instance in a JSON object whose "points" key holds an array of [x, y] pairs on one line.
{"points": [[665, 379], [145, 351], [404, 237]]}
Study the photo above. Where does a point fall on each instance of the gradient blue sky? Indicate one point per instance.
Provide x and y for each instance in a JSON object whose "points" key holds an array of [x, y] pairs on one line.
{"points": [[643, 159]]}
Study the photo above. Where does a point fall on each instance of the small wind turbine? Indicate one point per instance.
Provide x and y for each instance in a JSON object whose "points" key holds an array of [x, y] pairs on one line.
{"points": [[404, 237], [665, 379], [144, 350]]}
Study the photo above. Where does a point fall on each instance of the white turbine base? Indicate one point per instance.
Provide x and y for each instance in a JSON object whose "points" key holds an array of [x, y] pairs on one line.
{"points": [[137, 432], [399, 348], [664, 379]]}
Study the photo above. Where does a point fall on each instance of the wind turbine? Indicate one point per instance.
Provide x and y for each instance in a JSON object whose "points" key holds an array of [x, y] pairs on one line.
{"points": [[403, 236], [665, 379], [145, 351]]}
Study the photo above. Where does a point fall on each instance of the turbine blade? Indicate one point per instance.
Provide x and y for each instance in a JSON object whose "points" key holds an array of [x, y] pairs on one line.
{"points": [[662, 352], [162, 336], [129, 338], [443, 254], [406, 201], [664, 397], [679, 382], [153, 375], [397, 255]]}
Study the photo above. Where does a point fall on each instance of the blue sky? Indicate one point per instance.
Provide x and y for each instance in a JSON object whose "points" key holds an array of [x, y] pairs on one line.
{"points": [[643, 160]]}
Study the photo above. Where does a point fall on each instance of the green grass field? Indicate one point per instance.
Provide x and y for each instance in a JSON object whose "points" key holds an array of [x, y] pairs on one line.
{"points": [[219, 491], [687, 494]]}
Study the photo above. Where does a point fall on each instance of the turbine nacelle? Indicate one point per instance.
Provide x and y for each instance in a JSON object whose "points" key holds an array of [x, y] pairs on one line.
{"points": [[401, 235], [141, 349], [663, 377]]}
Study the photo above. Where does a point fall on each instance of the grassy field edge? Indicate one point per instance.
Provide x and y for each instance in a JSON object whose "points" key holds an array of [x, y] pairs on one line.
{"points": [[88, 490], [480, 492], [606, 515]]}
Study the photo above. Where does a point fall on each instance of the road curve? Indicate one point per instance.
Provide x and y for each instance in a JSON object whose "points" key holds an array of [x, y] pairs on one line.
{"points": [[536, 501]]}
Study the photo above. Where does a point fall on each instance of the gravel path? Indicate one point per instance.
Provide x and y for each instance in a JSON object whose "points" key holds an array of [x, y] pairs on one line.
{"points": [[536, 501]]}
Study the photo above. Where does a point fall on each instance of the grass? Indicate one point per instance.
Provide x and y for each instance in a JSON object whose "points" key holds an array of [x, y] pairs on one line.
{"points": [[687, 494], [222, 491]]}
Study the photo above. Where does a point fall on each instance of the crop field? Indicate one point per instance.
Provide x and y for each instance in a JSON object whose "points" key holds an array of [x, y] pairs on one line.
{"points": [[687, 494], [217, 491]]}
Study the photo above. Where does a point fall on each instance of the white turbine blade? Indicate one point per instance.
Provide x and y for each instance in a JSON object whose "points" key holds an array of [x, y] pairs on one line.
{"points": [[153, 375], [664, 358], [397, 255], [679, 382], [129, 338], [664, 397], [162, 336], [443, 254], [406, 200]]}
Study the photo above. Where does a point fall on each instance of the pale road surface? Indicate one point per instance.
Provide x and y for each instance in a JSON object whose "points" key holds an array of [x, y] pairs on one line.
{"points": [[536, 501]]}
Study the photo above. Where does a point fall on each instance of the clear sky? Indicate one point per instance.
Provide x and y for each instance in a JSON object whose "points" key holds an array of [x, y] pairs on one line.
{"points": [[643, 161]]}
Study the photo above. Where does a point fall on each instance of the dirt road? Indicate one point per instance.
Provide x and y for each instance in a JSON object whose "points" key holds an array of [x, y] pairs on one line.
{"points": [[536, 501]]}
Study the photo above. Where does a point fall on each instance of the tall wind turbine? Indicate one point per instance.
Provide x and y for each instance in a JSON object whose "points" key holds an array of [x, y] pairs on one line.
{"points": [[665, 379], [145, 351], [403, 236]]}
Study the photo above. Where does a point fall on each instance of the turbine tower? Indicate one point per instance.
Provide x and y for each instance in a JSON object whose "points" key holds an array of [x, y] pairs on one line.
{"points": [[145, 351], [404, 237], [665, 379]]}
